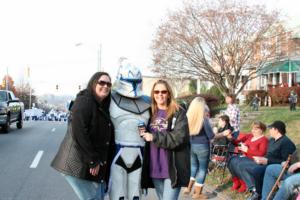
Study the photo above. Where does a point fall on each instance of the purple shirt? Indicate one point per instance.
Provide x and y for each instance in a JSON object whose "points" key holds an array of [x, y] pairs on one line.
{"points": [[159, 156]]}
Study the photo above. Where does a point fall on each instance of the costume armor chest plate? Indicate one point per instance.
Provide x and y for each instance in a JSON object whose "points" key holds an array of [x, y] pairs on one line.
{"points": [[126, 125]]}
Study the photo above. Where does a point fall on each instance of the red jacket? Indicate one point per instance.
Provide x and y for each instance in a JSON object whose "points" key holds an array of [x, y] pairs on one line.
{"points": [[255, 148]]}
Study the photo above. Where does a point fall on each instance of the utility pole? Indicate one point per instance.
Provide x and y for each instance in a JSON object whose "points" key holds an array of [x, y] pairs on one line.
{"points": [[99, 55], [99, 58], [30, 93], [6, 84]]}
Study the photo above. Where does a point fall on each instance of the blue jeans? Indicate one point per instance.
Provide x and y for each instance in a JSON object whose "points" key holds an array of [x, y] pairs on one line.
{"points": [[253, 175], [287, 186], [164, 189], [199, 161], [237, 165], [247, 170], [86, 190]]}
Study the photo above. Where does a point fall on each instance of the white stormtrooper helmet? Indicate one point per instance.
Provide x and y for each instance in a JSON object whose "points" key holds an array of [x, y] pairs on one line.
{"points": [[129, 80]]}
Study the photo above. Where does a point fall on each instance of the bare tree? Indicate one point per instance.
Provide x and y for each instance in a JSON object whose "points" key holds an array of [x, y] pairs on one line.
{"points": [[23, 91], [219, 41]]}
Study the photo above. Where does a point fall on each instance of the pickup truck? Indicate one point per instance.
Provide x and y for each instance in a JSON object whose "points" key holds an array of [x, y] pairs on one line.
{"points": [[11, 110]]}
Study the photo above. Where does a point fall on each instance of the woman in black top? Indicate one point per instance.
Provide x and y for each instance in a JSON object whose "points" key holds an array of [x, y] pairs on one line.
{"points": [[85, 154]]}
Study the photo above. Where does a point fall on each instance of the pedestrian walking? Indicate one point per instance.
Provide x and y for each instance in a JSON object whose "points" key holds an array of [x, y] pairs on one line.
{"points": [[255, 103], [293, 98]]}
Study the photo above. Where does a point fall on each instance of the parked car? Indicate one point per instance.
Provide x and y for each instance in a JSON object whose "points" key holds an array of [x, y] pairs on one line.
{"points": [[11, 110]]}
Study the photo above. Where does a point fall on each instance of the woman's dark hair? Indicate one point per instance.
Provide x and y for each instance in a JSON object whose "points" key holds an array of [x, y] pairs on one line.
{"points": [[225, 118], [92, 85]]}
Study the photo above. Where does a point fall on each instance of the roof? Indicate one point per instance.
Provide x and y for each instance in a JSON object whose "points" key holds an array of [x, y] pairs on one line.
{"points": [[285, 66]]}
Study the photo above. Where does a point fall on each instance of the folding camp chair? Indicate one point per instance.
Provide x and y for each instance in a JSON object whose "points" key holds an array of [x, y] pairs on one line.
{"points": [[219, 157]]}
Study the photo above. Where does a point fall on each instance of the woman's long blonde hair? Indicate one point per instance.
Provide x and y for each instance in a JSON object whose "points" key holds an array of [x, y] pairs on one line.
{"points": [[172, 105], [195, 115]]}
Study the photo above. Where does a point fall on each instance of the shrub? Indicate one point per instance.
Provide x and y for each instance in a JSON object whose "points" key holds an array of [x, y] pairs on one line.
{"points": [[193, 87], [280, 95], [211, 100], [214, 91]]}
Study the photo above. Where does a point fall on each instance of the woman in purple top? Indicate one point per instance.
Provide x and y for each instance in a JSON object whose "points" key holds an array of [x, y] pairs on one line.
{"points": [[166, 164], [201, 133]]}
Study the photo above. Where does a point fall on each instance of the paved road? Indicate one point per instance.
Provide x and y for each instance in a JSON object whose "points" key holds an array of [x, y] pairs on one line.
{"points": [[23, 179]]}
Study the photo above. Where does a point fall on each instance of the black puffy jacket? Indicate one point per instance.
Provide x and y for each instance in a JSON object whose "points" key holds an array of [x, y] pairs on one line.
{"points": [[177, 142], [89, 140]]}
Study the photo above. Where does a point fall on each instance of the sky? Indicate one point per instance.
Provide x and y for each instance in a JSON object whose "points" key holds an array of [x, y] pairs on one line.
{"points": [[44, 36]]}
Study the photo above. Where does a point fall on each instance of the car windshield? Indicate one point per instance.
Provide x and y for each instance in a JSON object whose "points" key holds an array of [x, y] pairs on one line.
{"points": [[2, 96]]}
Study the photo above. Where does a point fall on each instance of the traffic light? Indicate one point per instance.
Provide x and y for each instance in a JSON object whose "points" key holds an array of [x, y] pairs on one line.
{"points": [[56, 87], [79, 87]]}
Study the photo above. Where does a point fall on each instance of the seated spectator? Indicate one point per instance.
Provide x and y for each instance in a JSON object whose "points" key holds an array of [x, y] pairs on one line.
{"points": [[280, 146], [291, 180], [249, 145], [220, 134]]}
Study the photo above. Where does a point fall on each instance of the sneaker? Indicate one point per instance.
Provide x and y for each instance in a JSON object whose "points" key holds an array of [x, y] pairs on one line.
{"points": [[254, 196]]}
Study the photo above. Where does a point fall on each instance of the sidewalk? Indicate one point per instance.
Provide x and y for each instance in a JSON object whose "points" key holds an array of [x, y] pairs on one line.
{"points": [[208, 190]]}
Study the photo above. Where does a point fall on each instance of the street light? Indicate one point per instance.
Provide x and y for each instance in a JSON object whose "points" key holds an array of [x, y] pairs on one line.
{"points": [[99, 54], [28, 73]]}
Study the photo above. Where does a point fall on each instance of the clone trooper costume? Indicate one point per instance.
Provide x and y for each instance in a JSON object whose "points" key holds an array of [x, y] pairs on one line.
{"points": [[128, 108]]}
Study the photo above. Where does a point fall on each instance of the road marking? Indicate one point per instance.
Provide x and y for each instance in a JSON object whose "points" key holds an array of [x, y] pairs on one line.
{"points": [[53, 130], [37, 159]]}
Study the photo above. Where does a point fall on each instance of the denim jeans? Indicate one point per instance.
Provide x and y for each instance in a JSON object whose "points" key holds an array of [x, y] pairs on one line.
{"points": [[287, 186], [248, 171], [199, 161], [86, 190], [253, 175], [237, 165], [164, 189], [254, 107]]}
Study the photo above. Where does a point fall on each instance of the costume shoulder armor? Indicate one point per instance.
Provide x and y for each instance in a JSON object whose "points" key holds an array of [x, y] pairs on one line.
{"points": [[137, 106]]}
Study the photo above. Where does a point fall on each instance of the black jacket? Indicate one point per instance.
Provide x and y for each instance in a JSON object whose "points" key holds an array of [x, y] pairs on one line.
{"points": [[177, 142], [89, 140], [279, 150]]}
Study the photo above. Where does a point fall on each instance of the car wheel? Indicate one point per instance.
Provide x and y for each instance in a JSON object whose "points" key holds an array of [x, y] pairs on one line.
{"points": [[7, 125], [20, 122]]}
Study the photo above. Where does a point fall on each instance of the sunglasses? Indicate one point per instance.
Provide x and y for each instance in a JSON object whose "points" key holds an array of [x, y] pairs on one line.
{"points": [[162, 91], [102, 83]]}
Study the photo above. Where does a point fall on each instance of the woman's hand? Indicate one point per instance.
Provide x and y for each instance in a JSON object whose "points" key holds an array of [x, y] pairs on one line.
{"points": [[227, 133], [147, 136], [94, 171], [260, 160], [243, 148], [215, 130]]}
